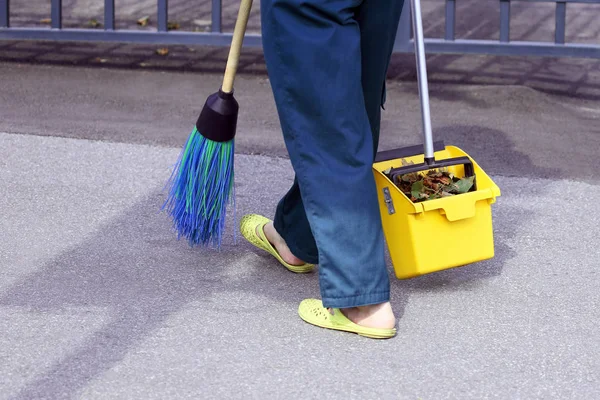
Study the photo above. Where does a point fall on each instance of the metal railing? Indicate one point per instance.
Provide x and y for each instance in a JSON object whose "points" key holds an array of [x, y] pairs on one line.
{"points": [[503, 46], [448, 44], [162, 35]]}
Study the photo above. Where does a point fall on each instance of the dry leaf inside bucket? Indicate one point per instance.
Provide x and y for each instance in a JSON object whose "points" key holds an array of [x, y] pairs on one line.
{"points": [[434, 184]]}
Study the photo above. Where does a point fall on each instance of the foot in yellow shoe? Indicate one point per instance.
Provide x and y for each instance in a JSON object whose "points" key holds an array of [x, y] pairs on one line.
{"points": [[313, 312], [278, 243], [252, 228]]}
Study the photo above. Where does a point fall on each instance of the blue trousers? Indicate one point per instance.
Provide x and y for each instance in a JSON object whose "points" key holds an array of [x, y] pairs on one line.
{"points": [[327, 61]]}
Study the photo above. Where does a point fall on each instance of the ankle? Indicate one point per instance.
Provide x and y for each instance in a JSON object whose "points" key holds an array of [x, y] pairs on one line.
{"points": [[280, 245], [373, 316], [383, 308]]}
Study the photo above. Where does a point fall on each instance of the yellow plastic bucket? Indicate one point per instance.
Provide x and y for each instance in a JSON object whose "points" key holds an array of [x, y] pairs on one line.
{"points": [[438, 234]]}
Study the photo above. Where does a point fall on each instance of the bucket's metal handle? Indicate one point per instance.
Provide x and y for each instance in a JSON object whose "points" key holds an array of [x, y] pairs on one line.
{"points": [[422, 79]]}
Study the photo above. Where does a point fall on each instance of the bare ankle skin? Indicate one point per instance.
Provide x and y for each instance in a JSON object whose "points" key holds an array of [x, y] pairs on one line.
{"points": [[277, 241], [372, 316]]}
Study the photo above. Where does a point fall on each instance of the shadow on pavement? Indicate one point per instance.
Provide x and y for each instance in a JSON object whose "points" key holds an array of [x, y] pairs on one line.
{"points": [[494, 151], [571, 77], [136, 270]]}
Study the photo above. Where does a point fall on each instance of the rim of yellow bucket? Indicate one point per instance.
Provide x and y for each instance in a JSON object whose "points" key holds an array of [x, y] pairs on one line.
{"points": [[489, 193]]}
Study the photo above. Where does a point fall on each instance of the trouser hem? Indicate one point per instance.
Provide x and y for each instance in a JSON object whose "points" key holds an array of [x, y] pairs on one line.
{"points": [[366, 299]]}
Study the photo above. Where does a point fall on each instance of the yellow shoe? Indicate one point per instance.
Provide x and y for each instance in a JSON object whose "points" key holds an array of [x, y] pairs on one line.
{"points": [[252, 223], [313, 312]]}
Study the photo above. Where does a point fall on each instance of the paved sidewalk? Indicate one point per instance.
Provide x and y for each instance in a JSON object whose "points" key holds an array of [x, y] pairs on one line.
{"points": [[99, 300]]}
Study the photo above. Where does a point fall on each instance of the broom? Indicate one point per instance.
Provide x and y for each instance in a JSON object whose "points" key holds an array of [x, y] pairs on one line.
{"points": [[202, 182]]}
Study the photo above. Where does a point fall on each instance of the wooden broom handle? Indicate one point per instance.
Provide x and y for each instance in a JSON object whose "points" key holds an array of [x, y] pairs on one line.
{"points": [[236, 45]]}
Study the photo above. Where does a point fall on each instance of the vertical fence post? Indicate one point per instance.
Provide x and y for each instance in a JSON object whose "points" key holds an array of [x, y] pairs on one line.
{"points": [[4, 14], [56, 14], [216, 16], [162, 15], [561, 21], [402, 41], [450, 19], [505, 21], [109, 15]]}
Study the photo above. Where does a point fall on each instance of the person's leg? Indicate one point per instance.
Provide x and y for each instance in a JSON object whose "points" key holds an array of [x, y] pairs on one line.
{"points": [[313, 55], [291, 224], [378, 21]]}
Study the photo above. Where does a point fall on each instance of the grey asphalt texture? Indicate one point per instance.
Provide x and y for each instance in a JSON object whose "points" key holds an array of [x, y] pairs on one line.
{"points": [[99, 300]]}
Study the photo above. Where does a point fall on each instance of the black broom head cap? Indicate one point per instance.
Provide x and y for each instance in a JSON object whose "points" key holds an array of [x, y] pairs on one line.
{"points": [[218, 119]]}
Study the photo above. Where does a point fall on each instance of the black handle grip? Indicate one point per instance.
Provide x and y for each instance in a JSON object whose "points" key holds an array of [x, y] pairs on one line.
{"points": [[396, 173]]}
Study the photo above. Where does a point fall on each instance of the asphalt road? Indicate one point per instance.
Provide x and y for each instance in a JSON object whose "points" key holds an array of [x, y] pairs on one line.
{"points": [[99, 300], [513, 130]]}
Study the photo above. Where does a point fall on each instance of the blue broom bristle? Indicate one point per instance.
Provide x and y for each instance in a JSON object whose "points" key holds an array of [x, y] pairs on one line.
{"points": [[201, 187]]}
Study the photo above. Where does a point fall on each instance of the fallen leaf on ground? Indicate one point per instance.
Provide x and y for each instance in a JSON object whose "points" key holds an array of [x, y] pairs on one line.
{"points": [[172, 25], [162, 51], [143, 21], [46, 21], [93, 23]]}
